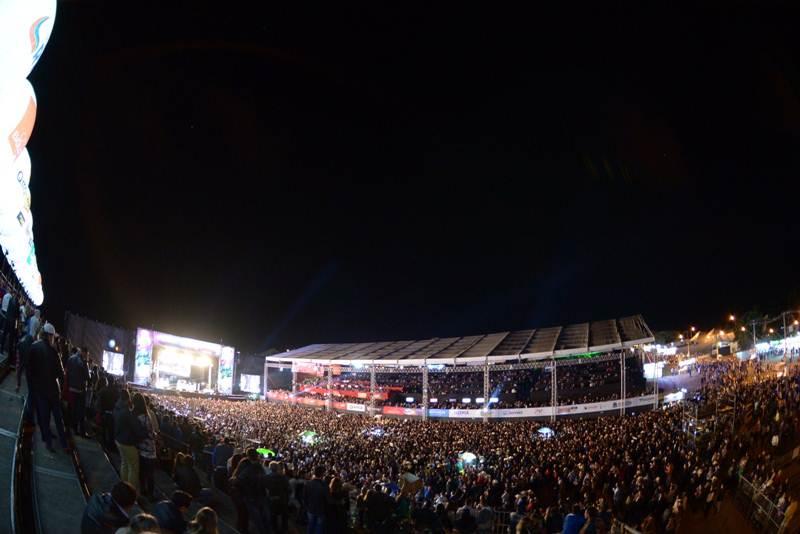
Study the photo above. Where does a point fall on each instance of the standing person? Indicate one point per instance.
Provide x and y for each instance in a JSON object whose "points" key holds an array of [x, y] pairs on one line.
{"points": [[44, 377], [128, 432], [9, 337], [77, 380], [146, 447], [339, 507], [249, 480], [278, 489], [24, 368], [35, 324], [316, 499]]}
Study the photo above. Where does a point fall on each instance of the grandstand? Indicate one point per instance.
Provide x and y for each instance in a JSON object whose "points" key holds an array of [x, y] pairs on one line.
{"points": [[529, 359]]}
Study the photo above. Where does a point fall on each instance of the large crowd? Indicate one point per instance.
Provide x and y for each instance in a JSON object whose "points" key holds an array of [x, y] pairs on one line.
{"points": [[282, 464], [641, 469]]}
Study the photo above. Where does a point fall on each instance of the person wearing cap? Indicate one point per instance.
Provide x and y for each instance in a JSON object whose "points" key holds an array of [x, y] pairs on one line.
{"points": [[46, 375]]}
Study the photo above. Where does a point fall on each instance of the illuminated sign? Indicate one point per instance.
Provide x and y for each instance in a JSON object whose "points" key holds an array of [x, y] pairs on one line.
{"points": [[25, 28]]}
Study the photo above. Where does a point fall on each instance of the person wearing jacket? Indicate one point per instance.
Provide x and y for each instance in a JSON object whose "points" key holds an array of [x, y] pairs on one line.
{"points": [[45, 376], [248, 480], [24, 368], [77, 378], [316, 498], [147, 448], [278, 488], [170, 514], [106, 512], [128, 433]]}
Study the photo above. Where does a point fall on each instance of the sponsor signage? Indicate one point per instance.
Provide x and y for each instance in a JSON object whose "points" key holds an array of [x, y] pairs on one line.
{"points": [[25, 28]]}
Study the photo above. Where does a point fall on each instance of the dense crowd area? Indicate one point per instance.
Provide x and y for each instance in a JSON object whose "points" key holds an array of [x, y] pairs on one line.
{"points": [[328, 472], [641, 469]]}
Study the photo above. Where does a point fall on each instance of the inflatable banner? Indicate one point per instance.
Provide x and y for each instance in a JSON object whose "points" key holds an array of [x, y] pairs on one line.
{"points": [[25, 28]]}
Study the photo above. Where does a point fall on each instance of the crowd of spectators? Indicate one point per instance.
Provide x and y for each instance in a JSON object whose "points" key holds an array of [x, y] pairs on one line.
{"points": [[332, 472], [641, 469]]}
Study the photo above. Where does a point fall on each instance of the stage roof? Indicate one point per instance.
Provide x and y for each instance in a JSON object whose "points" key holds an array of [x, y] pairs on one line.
{"points": [[531, 344]]}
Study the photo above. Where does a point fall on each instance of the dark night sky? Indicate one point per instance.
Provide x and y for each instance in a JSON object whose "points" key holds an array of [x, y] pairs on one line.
{"points": [[278, 178]]}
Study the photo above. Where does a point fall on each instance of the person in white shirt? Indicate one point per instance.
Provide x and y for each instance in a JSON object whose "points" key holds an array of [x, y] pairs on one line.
{"points": [[6, 300], [35, 324]]}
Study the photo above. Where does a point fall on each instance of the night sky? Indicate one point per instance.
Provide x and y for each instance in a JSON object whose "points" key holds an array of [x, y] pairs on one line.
{"points": [[275, 178]]}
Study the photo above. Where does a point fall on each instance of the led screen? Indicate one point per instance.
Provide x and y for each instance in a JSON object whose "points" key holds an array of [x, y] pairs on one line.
{"points": [[250, 383], [160, 355], [114, 362]]}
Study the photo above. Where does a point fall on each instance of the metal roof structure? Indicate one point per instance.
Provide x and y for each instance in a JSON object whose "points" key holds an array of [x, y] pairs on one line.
{"points": [[531, 344]]}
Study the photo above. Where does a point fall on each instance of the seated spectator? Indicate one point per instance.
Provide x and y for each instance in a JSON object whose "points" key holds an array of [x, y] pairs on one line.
{"points": [[106, 512], [185, 476], [204, 522], [141, 524], [170, 514]]}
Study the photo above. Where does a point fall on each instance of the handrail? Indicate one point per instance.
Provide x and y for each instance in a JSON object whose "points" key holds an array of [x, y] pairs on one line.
{"points": [[76, 463], [23, 518]]}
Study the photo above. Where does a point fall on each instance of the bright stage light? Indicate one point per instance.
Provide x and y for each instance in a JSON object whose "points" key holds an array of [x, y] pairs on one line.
{"points": [[201, 362], [409, 399], [466, 400]]}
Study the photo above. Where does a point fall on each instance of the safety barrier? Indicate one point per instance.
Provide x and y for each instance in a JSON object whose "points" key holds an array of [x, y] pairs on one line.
{"points": [[759, 509]]}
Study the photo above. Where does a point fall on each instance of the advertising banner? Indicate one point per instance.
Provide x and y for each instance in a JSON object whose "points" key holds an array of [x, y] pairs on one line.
{"points": [[396, 410], [25, 28], [353, 407], [143, 362]]}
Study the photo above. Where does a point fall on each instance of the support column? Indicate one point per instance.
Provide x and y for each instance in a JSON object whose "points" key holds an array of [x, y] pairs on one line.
{"points": [[486, 391], [266, 379], [372, 388], [294, 381], [622, 391], [784, 343], [657, 372], [425, 391], [553, 389], [329, 393]]}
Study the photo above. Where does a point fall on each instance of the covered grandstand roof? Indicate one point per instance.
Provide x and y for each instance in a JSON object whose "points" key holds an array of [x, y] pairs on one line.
{"points": [[531, 344]]}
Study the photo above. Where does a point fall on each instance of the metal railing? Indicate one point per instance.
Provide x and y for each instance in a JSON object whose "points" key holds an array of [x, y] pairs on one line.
{"points": [[501, 522], [759, 509]]}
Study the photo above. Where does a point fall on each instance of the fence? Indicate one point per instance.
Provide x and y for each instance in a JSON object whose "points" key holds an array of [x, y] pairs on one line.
{"points": [[760, 510], [501, 523]]}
